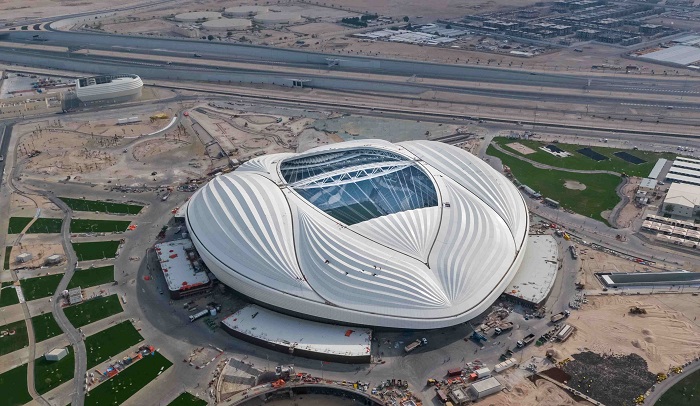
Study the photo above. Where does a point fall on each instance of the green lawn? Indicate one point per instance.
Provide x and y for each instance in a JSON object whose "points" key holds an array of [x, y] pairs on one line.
{"points": [[14, 342], [50, 374], [598, 196], [45, 327], [685, 392], [106, 207], [124, 385], [13, 386], [88, 251], [110, 342], [579, 161], [17, 224], [46, 226], [8, 251], [43, 286], [93, 310], [8, 296], [187, 399], [98, 226], [86, 278]]}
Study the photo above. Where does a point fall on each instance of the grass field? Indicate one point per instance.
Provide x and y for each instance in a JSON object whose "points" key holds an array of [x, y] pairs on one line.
{"points": [[98, 226], [13, 386], [86, 278], [598, 196], [685, 392], [17, 224], [187, 399], [579, 161], [88, 251], [105, 207], [8, 296], [14, 342], [43, 286], [40, 226], [45, 327], [50, 374], [128, 382], [93, 310], [110, 342], [8, 251]]}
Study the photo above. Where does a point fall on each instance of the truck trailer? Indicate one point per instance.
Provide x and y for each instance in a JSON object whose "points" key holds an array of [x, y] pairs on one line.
{"points": [[418, 343], [525, 341]]}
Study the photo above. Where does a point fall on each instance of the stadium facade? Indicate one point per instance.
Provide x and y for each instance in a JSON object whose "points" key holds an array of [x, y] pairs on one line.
{"points": [[414, 235], [108, 88]]}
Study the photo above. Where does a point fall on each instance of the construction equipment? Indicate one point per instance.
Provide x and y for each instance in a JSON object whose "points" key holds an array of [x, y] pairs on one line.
{"points": [[637, 310], [420, 342], [525, 341], [478, 337], [432, 382], [560, 316], [159, 116], [505, 326]]}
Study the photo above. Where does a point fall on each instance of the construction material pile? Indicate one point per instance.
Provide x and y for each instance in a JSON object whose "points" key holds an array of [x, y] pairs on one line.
{"points": [[610, 379]]}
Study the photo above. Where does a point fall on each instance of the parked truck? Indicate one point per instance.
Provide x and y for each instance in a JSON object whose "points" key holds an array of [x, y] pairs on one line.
{"points": [[454, 372], [198, 315], [420, 342], [503, 327], [560, 316], [525, 341]]}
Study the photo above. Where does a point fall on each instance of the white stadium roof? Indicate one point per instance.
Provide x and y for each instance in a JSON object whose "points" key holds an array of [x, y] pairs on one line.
{"points": [[417, 234]]}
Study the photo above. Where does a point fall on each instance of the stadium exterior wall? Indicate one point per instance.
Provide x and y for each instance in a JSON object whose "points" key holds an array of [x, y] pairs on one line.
{"points": [[343, 359]]}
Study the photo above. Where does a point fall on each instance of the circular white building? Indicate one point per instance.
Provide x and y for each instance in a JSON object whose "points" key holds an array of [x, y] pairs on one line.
{"points": [[245, 11], [108, 87], [282, 17], [227, 24], [197, 16], [414, 235]]}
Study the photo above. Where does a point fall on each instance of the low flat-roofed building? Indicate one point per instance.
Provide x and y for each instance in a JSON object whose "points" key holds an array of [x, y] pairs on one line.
{"points": [[75, 296], [184, 273], [647, 185], [485, 387], [304, 338], [637, 279], [533, 282], [458, 395], [56, 354], [682, 200]]}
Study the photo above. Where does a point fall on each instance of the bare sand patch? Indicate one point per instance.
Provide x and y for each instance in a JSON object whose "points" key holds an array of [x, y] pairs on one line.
{"points": [[574, 185], [521, 148], [669, 334]]}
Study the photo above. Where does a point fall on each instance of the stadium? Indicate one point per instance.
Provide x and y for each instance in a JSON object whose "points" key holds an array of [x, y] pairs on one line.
{"points": [[108, 88], [413, 235]]}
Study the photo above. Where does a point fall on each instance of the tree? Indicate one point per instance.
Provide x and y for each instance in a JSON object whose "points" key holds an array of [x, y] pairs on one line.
{"points": [[448, 26], [210, 37], [405, 19], [229, 33]]}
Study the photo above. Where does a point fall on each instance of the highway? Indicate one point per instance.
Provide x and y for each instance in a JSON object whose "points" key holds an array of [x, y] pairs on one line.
{"points": [[348, 63]]}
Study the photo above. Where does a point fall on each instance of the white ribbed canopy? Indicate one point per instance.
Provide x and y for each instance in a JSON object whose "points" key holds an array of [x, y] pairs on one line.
{"points": [[359, 245]]}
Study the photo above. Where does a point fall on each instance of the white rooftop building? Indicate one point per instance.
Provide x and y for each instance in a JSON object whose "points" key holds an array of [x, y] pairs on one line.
{"points": [[181, 268], [682, 200]]}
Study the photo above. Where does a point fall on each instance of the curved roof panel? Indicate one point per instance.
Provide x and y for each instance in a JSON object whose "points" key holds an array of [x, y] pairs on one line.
{"points": [[412, 235]]}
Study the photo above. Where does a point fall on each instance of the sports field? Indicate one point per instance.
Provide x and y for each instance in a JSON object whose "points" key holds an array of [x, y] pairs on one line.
{"points": [[50, 374], [45, 327], [578, 160], [124, 385], [98, 226], [43, 286], [598, 196], [187, 399], [110, 342], [104, 207], [40, 226], [8, 296], [88, 251], [93, 310], [86, 278], [13, 386], [16, 341]]}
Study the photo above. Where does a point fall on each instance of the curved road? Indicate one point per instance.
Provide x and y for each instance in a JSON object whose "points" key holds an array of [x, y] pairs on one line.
{"points": [[664, 386]]}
